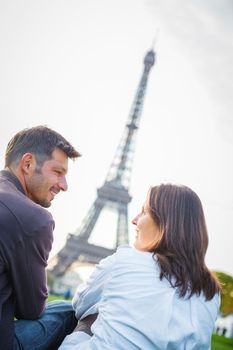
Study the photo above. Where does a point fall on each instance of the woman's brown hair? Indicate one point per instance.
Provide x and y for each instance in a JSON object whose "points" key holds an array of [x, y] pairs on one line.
{"points": [[178, 212]]}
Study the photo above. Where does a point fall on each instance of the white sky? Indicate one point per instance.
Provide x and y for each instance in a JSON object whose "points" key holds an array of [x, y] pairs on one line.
{"points": [[75, 65]]}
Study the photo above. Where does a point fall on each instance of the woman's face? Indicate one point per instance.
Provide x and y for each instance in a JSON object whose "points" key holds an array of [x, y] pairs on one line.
{"points": [[147, 232]]}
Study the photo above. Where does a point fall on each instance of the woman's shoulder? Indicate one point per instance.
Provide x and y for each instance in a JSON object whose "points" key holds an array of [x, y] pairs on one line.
{"points": [[128, 249], [123, 247], [131, 255]]}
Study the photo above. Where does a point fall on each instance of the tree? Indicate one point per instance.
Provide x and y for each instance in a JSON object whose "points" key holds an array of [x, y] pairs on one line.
{"points": [[226, 307]]}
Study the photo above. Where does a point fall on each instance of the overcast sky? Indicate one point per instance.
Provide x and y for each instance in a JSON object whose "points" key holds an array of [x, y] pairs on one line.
{"points": [[75, 65]]}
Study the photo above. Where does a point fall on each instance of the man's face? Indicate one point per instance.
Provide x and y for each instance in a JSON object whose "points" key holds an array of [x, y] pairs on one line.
{"points": [[43, 185]]}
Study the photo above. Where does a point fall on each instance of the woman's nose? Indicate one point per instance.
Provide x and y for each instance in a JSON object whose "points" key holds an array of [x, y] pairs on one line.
{"points": [[134, 221]]}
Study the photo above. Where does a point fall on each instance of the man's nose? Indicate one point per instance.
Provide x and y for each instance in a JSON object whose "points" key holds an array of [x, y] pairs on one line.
{"points": [[63, 184]]}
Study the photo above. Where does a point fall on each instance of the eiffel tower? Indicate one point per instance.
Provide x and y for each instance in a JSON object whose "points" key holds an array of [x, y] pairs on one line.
{"points": [[113, 194]]}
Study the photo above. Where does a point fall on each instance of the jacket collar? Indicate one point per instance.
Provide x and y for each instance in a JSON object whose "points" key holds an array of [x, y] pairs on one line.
{"points": [[7, 174]]}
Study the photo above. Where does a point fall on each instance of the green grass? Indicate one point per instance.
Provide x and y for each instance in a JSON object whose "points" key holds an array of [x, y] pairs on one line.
{"points": [[55, 297], [221, 343]]}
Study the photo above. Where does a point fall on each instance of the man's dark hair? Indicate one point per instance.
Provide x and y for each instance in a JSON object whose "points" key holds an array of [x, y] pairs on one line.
{"points": [[39, 140]]}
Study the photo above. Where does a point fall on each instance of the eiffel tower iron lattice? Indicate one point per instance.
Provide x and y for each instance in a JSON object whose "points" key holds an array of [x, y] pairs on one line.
{"points": [[113, 194]]}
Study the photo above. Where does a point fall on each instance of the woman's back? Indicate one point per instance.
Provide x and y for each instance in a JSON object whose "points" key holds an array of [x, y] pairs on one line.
{"points": [[137, 310]]}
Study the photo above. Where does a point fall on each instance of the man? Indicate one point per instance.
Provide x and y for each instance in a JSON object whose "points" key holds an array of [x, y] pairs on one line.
{"points": [[36, 164]]}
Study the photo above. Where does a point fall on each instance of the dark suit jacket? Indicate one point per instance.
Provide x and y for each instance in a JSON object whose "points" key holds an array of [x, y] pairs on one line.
{"points": [[26, 235]]}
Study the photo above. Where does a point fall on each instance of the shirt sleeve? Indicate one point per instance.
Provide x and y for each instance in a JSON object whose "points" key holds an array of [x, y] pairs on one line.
{"points": [[28, 272], [88, 295], [74, 341]]}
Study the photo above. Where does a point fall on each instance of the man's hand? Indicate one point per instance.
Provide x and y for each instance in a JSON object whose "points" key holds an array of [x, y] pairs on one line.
{"points": [[85, 324]]}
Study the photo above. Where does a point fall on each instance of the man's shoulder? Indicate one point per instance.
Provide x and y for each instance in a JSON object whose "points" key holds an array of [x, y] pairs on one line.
{"points": [[16, 201], [15, 207]]}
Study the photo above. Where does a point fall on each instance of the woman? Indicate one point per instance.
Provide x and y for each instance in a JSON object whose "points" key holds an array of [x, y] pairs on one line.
{"points": [[159, 294]]}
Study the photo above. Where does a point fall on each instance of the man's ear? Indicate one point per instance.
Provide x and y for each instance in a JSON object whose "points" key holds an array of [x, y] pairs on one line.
{"points": [[27, 162]]}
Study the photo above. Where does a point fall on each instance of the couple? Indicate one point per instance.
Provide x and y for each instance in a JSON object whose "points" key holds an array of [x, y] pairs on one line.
{"points": [[157, 295]]}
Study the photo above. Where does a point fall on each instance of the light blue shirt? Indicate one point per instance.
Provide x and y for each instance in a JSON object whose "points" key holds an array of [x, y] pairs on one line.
{"points": [[137, 310]]}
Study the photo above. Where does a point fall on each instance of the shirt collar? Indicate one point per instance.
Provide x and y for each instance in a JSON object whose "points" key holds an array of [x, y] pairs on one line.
{"points": [[12, 178]]}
